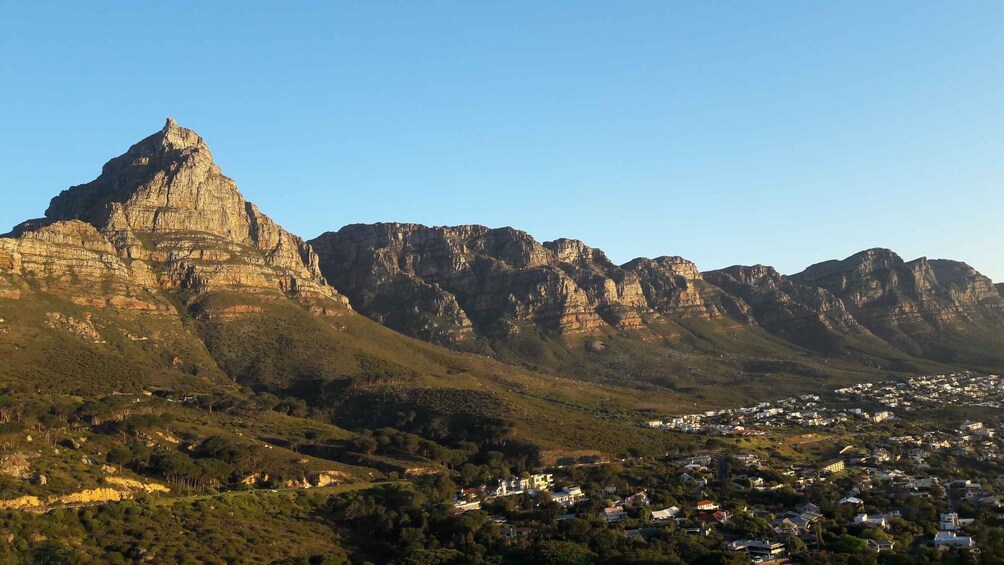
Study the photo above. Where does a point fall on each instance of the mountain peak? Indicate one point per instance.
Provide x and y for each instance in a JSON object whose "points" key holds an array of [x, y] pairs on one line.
{"points": [[168, 187], [170, 169], [175, 137]]}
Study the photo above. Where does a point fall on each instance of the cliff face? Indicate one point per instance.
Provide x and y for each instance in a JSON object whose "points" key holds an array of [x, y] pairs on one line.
{"points": [[73, 260], [908, 303], [802, 314], [163, 215], [448, 284], [965, 286], [674, 286], [477, 280]]}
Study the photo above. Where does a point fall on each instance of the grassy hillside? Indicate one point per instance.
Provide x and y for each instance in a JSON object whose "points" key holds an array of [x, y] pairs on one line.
{"points": [[49, 343]]}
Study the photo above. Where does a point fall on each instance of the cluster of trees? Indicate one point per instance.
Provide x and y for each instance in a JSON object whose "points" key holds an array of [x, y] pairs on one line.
{"points": [[211, 464], [181, 469], [393, 442], [413, 525]]}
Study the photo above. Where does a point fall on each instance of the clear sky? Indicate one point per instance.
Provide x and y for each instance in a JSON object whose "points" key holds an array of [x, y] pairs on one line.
{"points": [[748, 132]]}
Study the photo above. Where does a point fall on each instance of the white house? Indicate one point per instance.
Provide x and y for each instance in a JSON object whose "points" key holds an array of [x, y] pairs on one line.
{"points": [[706, 505], [665, 514], [614, 514], [539, 482], [970, 426], [517, 485], [877, 520], [952, 522], [465, 505], [568, 496], [950, 539]]}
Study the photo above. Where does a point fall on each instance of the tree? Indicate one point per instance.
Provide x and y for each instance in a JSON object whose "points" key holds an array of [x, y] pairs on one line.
{"points": [[553, 552], [794, 544], [364, 444], [751, 527]]}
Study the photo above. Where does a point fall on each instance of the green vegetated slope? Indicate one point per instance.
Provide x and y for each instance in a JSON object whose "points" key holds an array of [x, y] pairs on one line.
{"points": [[51, 344], [366, 376], [354, 371]]}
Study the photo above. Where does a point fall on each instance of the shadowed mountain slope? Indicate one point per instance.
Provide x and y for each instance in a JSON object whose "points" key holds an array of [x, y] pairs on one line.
{"points": [[943, 310], [497, 290]]}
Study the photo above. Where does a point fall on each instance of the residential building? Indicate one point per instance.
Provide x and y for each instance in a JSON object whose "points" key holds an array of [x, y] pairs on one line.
{"points": [[877, 520], [765, 550], [949, 522], [880, 545], [833, 466], [970, 426], [465, 505], [665, 514], [614, 514], [568, 496], [951, 539], [706, 505]]}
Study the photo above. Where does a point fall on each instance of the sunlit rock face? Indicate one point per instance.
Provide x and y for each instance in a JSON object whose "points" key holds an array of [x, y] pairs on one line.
{"points": [[908, 303], [164, 215], [445, 284]]}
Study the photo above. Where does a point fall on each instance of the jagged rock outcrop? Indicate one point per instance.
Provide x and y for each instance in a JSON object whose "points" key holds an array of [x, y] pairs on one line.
{"points": [[15, 465], [908, 303], [446, 283], [965, 285], [803, 314], [673, 286], [464, 278], [127, 489], [73, 260], [162, 233], [617, 293], [161, 216]]}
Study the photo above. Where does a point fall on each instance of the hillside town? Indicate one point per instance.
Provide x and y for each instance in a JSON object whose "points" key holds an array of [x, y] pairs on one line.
{"points": [[854, 407], [889, 482]]}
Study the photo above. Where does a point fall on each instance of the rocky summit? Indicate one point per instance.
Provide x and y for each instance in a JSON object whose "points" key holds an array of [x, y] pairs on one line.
{"points": [[446, 284], [800, 313], [926, 308], [161, 216], [451, 284]]}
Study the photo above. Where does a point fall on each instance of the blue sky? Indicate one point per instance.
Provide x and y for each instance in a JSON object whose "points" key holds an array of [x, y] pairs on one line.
{"points": [[782, 133]]}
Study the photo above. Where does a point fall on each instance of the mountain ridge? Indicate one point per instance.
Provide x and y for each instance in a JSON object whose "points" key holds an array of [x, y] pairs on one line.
{"points": [[807, 309], [160, 269]]}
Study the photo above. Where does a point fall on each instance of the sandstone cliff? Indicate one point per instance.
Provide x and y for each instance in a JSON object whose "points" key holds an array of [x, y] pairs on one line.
{"points": [[805, 315], [674, 286], [161, 216], [72, 259], [163, 235], [913, 305], [108, 281], [446, 284]]}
